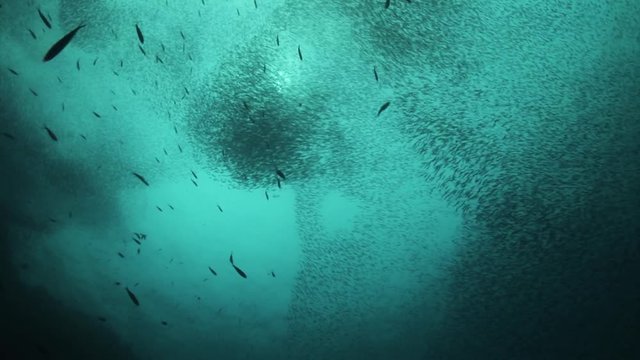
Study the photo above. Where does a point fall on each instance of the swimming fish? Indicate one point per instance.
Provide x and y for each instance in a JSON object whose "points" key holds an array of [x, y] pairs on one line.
{"points": [[51, 134], [133, 297], [171, 207], [101, 318], [33, 35], [13, 71], [97, 115], [61, 44], [213, 271], [383, 107], [137, 241], [194, 182], [144, 181], [8, 136], [387, 3], [142, 50], [238, 270], [194, 174], [159, 208], [95, 61], [33, 92], [44, 19], [273, 274], [219, 208], [120, 254], [277, 40], [140, 36], [280, 174], [299, 53], [279, 184], [375, 73], [164, 323], [255, 4], [78, 64], [266, 194]]}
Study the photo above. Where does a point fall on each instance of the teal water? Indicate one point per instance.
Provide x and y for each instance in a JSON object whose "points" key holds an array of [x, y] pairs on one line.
{"points": [[490, 211]]}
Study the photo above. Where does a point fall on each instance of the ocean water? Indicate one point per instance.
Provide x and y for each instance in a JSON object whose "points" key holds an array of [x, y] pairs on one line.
{"points": [[287, 179]]}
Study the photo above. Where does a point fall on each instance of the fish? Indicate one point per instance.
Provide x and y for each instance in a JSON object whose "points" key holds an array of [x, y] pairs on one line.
{"points": [[194, 174], [121, 63], [59, 80], [165, 151], [52, 135], [213, 271], [120, 254], [299, 53], [182, 34], [266, 194], [277, 40], [238, 11], [144, 181], [97, 115], [140, 36], [78, 64], [179, 147], [84, 137], [95, 61], [171, 207], [117, 283], [138, 252], [273, 274], [142, 50], [219, 208], [387, 3], [101, 318], [383, 107], [255, 4], [375, 73], [157, 160], [194, 182], [56, 48], [164, 323], [158, 59], [114, 107], [280, 174], [159, 208], [115, 73], [133, 297], [137, 241], [279, 184], [238, 270], [62, 106], [33, 92], [8, 136], [13, 72], [44, 19], [33, 35]]}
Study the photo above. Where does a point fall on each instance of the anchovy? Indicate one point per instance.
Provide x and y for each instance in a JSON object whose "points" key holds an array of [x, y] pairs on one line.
{"points": [[133, 297], [279, 184], [383, 107], [158, 59], [61, 44], [375, 73], [140, 36], [8, 136], [280, 174], [144, 181], [33, 92], [159, 208], [219, 208], [97, 115], [266, 194], [213, 271], [78, 64], [194, 174], [51, 134], [255, 4], [13, 71], [299, 53], [273, 274], [387, 3], [120, 254], [238, 270], [171, 207], [33, 35], [137, 241], [277, 40], [101, 318], [164, 323], [141, 49], [44, 19], [194, 182]]}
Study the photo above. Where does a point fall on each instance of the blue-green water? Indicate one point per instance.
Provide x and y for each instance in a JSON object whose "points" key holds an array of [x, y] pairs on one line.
{"points": [[489, 211]]}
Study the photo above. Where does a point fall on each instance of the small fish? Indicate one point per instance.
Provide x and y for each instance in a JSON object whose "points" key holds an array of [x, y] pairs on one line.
{"points": [[238, 11], [120, 254], [61, 44], [95, 61], [84, 137], [175, 129], [219, 208], [33, 35], [277, 40], [387, 3], [273, 274], [138, 252], [121, 63], [159, 208], [280, 174], [186, 90], [189, 56], [194, 182], [140, 36], [182, 34], [78, 64], [137, 241], [51, 134], [375, 73], [383, 107], [165, 151], [299, 53], [142, 50], [157, 160], [8, 136], [114, 107], [59, 80], [62, 106], [179, 147], [255, 4], [194, 174], [213, 271], [97, 115], [238, 270], [53, 220], [163, 48], [266, 194], [171, 207], [33, 92], [13, 72], [115, 73], [144, 181], [279, 184], [102, 318], [44, 19], [158, 59], [133, 297], [164, 323], [117, 283]]}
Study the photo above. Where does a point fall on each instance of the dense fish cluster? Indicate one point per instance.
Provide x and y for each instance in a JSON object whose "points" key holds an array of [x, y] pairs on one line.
{"points": [[484, 157]]}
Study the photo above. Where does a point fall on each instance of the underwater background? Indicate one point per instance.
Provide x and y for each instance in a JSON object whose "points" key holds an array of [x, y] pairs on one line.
{"points": [[288, 179]]}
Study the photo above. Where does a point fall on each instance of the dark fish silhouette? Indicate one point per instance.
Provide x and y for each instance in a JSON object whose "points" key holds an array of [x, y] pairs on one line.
{"points": [[194, 174], [142, 50], [78, 64], [375, 73], [273, 274], [266, 194], [164, 323], [133, 297], [219, 208], [120, 254], [101, 318], [51, 134], [255, 4], [33, 92], [171, 207], [280, 174], [182, 34], [194, 182], [299, 53], [213, 271], [277, 40], [13, 71], [279, 184], [44, 19], [159, 208], [33, 35], [387, 3], [140, 36], [95, 61], [8, 136], [97, 115], [144, 181], [238, 270], [137, 241], [383, 107], [158, 59], [61, 44]]}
